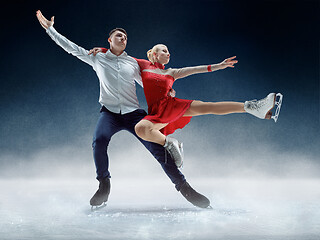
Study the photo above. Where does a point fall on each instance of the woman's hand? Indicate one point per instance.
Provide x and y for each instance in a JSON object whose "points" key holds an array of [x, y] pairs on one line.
{"points": [[45, 23], [229, 62], [171, 93], [95, 51]]}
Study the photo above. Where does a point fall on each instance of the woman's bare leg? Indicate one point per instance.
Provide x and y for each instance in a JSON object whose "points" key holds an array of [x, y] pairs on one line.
{"points": [[218, 108], [150, 131]]}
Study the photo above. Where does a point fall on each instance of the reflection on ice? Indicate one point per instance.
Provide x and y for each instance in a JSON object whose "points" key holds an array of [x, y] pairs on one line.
{"points": [[242, 209]]}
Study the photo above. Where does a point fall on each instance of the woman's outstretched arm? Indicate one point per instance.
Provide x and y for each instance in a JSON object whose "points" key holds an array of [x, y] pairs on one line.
{"points": [[187, 71]]}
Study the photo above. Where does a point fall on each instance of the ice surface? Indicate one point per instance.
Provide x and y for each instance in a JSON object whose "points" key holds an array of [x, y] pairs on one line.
{"points": [[149, 209]]}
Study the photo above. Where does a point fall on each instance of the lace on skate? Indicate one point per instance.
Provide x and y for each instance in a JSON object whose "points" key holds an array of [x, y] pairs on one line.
{"points": [[256, 105]]}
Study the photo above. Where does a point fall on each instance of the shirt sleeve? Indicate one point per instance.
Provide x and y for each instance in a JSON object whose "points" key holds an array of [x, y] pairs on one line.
{"points": [[69, 46], [187, 71]]}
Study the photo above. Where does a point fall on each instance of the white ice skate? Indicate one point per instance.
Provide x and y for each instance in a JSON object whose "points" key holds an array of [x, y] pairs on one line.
{"points": [[262, 108], [175, 149]]}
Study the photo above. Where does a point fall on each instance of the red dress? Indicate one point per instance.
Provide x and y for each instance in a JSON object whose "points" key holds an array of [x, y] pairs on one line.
{"points": [[157, 82]]}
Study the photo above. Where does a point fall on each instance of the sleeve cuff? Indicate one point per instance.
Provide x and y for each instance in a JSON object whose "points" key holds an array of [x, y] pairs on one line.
{"points": [[50, 29]]}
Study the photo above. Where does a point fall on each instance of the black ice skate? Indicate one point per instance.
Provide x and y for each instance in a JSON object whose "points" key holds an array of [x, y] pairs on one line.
{"points": [[194, 197], [102, 194]]}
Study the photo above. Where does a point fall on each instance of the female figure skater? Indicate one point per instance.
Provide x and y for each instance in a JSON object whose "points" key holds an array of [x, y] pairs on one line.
{"points": [[166, 113]]}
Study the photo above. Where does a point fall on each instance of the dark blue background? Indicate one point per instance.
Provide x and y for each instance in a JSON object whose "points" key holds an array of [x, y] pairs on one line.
{"points": [[49, 98]]}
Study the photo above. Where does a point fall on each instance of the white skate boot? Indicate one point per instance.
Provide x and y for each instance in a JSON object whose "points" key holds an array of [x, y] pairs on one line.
{"points": [[175, 149], [262, 108]]}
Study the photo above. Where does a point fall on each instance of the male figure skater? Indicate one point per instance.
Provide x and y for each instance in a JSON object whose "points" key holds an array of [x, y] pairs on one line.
{"points": [[117, 73]]}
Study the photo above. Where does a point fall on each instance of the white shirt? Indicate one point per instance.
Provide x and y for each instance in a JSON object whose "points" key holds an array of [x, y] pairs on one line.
{"points": [[117, 74]]}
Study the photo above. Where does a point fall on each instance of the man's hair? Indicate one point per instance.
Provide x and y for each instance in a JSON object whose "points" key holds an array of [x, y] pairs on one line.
{"points": [[118, 29]]}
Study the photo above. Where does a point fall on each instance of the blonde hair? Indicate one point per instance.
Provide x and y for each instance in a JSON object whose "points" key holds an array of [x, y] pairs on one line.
{"points": [[150, 53]]}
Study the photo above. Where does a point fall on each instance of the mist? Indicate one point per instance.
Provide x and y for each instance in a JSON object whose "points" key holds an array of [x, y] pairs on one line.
{"points": [[257, 190], [233, 156]]}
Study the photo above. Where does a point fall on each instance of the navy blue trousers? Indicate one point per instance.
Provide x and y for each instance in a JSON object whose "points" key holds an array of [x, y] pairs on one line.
{"points": [[110, 123]]}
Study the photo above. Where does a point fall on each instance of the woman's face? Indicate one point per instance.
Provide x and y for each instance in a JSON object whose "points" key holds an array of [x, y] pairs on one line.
{"points": [[163, 55]]}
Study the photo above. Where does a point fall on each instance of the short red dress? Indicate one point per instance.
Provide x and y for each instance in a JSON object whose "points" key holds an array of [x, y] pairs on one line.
{"points": [[162, 108]]}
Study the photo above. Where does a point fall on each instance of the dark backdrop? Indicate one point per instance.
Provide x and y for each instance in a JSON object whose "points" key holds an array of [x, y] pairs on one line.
{"points": [[49, 98]]}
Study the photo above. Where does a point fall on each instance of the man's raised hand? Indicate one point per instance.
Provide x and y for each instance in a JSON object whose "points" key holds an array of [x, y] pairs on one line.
{"points": [[45, 23]]}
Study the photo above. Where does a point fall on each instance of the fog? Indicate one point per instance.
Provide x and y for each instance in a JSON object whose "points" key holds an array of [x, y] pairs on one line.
{"points": [[255, 194], [207, 156]]}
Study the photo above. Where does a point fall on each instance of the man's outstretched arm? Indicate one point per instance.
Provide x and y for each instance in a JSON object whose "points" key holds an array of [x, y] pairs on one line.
{"points": [[62, 41]]}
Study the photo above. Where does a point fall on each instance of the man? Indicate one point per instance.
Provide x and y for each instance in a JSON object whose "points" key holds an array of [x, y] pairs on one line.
{"points": [[117, 73]]}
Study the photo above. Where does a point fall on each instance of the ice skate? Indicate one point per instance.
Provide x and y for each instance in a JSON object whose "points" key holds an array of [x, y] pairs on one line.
{"points": [[262, 108], [175, 149], [101, 196], [194, 197]]}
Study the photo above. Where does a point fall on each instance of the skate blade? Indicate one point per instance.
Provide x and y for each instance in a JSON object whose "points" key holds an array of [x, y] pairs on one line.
{"points": [[96, 208], [182, 154], [278, 104]]}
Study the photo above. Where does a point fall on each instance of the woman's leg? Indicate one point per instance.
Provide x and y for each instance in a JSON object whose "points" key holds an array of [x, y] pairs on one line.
{"points": [[218, 108], [150, 131]]}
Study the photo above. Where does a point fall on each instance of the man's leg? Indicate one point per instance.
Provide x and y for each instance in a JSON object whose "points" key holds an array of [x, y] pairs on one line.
{"points": [[158, 151], [107, 126], [167, 163]]}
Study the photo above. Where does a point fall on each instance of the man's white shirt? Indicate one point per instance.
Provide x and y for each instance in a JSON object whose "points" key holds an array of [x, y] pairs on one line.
{"points": [[117, 74]]}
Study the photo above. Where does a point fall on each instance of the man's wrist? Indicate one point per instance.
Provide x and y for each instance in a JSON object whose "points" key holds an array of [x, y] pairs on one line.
{"points": [[49, 28]]}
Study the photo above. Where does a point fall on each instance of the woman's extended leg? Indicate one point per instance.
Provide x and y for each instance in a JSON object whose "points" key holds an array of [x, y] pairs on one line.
{"points": [[218, 108], [150, 131]]}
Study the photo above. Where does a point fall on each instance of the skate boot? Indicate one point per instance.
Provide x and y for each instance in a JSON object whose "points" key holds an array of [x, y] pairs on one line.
{"points": [[102, 194], [194, 197], [175, 149], [261, 108]]}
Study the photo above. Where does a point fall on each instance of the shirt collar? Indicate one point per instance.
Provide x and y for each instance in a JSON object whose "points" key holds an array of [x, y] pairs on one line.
{"points": [[110, 54]]}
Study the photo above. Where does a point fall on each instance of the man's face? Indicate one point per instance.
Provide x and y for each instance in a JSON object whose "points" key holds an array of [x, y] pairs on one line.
{"points": [[118, 40]]}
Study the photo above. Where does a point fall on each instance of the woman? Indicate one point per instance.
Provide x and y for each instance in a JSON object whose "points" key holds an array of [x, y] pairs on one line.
{"points": [[167, 113]]}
